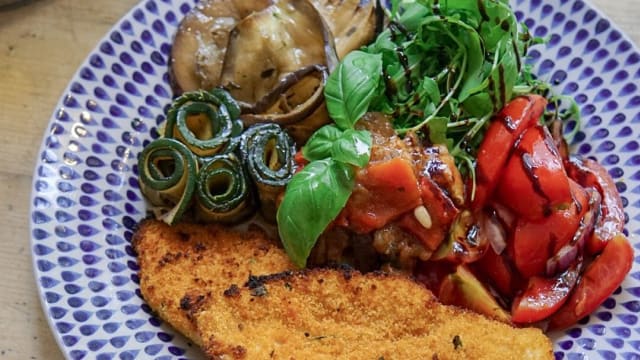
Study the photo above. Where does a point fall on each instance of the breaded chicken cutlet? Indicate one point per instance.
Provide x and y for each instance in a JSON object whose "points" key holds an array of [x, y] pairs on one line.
{"points": [[342, 314], [176, 259], [193, 276]]}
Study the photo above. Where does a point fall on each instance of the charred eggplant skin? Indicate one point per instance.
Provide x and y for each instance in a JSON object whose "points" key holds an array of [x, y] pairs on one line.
{"points": [[272, 56], [302, 120]]}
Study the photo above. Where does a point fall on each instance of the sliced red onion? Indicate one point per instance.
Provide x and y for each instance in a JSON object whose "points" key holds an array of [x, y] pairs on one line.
{"points": [[504, 215], [495, 232], [588, 221], [568, 254], [562, 259]]}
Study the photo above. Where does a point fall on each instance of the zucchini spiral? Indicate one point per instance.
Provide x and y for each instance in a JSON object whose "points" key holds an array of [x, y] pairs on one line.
{"points": [[208, 165], [206, 121], [223, 192], [268, 154], [167, 175]]}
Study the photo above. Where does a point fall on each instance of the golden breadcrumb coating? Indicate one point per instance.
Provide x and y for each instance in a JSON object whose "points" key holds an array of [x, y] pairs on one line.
{"points": [[342, 314], [175, 259]]}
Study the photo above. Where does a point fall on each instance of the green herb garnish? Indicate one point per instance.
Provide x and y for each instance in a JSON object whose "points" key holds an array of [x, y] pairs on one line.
{"points": [[316, 195], [441, 69], [450, 63]]}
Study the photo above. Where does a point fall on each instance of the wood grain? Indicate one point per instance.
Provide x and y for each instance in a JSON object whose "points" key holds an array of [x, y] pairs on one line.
{"points": [[42, 43]]}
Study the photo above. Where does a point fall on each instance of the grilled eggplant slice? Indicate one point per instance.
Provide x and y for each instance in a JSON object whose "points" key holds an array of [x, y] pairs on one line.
{"points": [[267, 46], [277, 63], [296, 103], [200, 43], [352, 22]]}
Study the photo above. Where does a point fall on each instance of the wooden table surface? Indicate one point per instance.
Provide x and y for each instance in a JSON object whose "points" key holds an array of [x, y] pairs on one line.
{"points": [[42, 43]]}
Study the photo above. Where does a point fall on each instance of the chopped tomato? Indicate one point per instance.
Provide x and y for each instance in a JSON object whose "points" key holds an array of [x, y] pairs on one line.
{"points": [[561, 212], [506, 127], [543, 297], [571, 252], [598, 281], [556, 130], [589, 173], [535, 241], [534, 182], [384, 191], [300, 161], [498, 272], [441, 212]]}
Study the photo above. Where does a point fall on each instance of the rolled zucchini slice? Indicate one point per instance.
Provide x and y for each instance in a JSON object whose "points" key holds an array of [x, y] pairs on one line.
{"points": [[268, 154], [223, 191], [167, 176], [205, 121]]}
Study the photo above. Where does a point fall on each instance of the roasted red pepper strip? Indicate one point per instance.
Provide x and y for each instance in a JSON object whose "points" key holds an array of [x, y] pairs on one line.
{"points": [[384, 191], [441, 212], [300, 161], [506, 127], [534, 181], [599, 280], [589, 173]]}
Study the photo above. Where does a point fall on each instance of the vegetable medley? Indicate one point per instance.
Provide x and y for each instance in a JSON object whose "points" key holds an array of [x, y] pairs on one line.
{"points": [[423, 143]]}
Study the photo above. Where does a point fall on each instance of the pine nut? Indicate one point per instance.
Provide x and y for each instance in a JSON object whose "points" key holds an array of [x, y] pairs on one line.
{"points": [[423, 217]]}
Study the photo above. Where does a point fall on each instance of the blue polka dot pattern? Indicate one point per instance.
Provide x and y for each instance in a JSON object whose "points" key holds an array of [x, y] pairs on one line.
{"points": [[86, 202]]}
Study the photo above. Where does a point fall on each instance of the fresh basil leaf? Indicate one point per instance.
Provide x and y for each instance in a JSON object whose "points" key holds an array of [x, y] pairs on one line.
{"points": [[349, 146], [353, 147], [313, 199], [319, 145], [383, 42], [351, 87]]}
